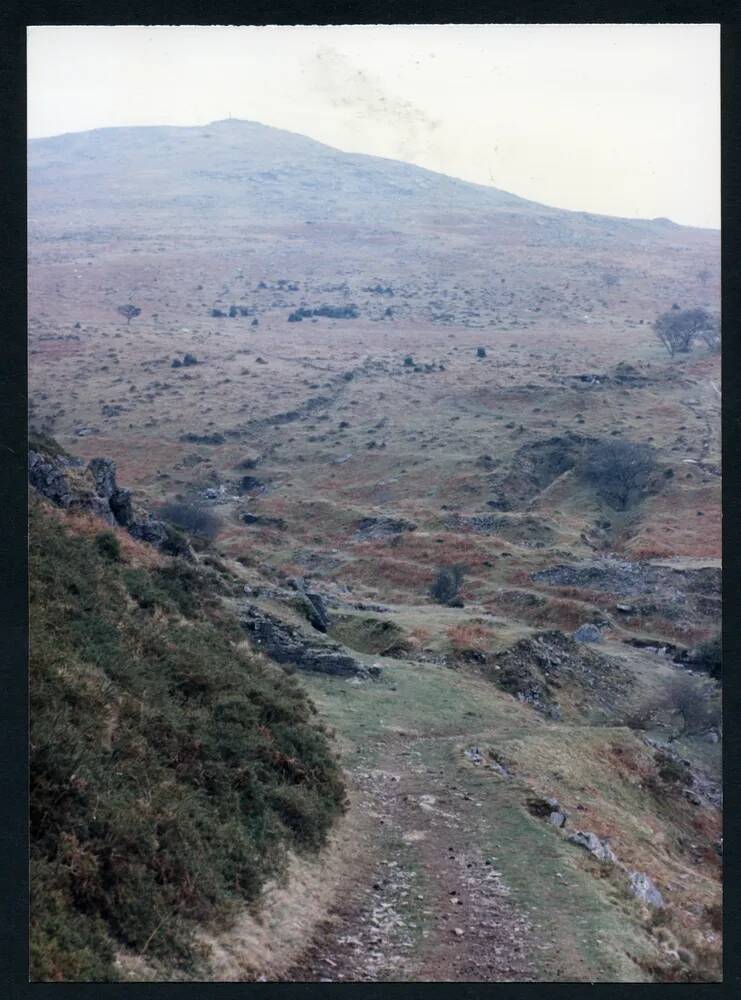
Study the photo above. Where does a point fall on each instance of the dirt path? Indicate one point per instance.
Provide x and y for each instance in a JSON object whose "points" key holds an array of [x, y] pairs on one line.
{"points": [[445, 875], [432, 906]]}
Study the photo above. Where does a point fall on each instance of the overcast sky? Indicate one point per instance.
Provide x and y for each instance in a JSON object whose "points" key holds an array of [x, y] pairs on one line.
{"points": [[616, 119]]}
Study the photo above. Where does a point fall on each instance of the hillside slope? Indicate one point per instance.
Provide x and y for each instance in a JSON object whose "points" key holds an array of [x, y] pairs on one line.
{"points": [[171, 771]]}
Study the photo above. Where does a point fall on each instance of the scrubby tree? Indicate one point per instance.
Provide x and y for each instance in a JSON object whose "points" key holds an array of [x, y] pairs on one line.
{"points": [[695, 702], [621, 472], [610, 280], [677, 328], [447, 584], [129, 311]]}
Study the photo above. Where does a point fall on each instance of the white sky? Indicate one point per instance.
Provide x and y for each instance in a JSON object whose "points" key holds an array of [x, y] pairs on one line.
{"points": [[618, 119]]}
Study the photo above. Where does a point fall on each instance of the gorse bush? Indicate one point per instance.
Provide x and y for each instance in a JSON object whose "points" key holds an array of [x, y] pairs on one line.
{"points": [[108, 545], [194, 518], [708, 656], [170, 770], [447, 584]]}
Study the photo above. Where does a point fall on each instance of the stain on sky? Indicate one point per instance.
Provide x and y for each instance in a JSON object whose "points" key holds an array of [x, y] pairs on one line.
{"points": [[361, 97]]}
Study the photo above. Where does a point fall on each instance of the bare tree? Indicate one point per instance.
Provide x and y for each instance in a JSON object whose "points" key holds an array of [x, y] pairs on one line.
{"points": [[129, 311], [622, 472], [688, 705], [704, 276], [677, 328], [610, 280]]}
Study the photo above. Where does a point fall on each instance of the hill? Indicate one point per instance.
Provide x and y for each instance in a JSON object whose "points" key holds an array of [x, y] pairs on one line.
{"points": [[237, 203], [366, 378]]}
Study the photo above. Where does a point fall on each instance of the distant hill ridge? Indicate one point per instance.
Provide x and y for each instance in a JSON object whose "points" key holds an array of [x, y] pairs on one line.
{"points": [[258, 173]]}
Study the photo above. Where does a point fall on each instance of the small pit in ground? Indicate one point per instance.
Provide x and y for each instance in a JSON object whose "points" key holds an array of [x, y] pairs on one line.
{"points": [[536, 465]]}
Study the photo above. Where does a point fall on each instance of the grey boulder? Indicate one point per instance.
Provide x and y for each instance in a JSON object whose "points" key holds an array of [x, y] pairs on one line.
{"points": [[591, 842], [588, 633]]}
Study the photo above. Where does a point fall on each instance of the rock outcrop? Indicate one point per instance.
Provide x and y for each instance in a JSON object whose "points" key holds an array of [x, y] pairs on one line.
{"points": [[287, 644], [588, 633], [69, 484]]}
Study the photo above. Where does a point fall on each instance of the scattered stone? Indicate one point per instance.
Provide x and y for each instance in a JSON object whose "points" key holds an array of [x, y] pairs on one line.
{"points": [[501, 769], [380, 527], [215, 438], [263, 521], [671, 592]]}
